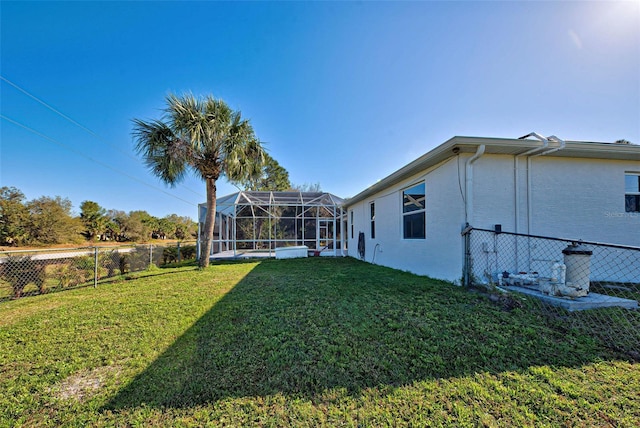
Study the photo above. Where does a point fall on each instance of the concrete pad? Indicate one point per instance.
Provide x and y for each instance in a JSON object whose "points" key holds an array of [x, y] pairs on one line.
{"points": [[242, 254], [591, 301]]}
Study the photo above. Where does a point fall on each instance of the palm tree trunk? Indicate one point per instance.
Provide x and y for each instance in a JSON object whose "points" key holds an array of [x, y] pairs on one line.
{"points": [[209, 223]]}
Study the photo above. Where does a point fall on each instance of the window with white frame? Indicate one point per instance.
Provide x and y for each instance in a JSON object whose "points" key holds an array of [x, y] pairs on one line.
{"points": [[372, 210], [632, 192], [351, 214], [413, 212]]}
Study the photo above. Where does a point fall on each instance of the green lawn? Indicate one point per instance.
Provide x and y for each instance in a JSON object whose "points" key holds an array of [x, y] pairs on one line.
{"points": [[307, 342]]}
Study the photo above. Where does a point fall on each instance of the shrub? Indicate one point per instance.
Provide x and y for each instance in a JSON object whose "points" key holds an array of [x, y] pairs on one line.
{"points": [[65, 275], [20, 271], [188, 252], [170, 255], [78, 271], [138, 259]]}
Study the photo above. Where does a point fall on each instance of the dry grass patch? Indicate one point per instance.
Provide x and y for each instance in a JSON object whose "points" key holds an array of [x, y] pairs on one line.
{"points": [[85, 383]]}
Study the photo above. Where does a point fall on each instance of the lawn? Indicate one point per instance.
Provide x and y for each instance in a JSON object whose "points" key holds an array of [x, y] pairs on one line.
{"points": [[307, 342]]}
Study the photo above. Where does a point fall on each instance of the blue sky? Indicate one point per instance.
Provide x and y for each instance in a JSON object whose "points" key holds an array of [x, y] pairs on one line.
{"points": [[343, 93]]}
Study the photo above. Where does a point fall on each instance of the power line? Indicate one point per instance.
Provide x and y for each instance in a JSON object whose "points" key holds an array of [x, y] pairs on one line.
{"points": [[24, 91], [53, 140]]}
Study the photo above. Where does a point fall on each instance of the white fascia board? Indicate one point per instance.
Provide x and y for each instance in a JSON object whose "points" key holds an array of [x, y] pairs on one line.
{"points": [[509, 146]]}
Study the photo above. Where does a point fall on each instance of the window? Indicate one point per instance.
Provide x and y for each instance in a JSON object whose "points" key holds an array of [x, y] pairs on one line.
{"points": [[413, 212], [632, 193], [372, 207], [351, 224]]}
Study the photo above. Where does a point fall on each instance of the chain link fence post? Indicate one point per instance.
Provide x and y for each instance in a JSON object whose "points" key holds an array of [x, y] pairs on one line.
{"points": [[95, 267], [466, 233]]}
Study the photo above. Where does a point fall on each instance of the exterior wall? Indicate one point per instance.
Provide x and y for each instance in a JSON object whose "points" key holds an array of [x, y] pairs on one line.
{"points": [[494, 192], [580, 199], [439, 255], [570, 198], [583, 199]]}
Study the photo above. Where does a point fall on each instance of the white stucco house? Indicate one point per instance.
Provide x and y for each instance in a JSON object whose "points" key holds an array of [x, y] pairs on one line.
{"points": [[412, 219]]}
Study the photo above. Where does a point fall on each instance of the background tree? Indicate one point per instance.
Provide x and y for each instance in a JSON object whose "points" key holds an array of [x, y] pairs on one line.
{"points": [[307, 187], [94, 219], [51, 221], [203, 135], [13, 217], [183, 227], [115, 223], [136, 226], [164, 229], [272, 177]]}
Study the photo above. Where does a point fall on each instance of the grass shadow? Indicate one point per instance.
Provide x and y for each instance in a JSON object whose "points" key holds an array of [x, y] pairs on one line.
{"points": [[303, 328]]}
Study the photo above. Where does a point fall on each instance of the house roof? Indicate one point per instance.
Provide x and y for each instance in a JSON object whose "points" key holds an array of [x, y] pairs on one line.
{"points": [[502, 146]]}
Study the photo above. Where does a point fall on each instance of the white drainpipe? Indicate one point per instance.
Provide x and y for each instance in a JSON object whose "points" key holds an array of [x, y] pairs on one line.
{"points": [[516, 172], [545, 144], [557, 140], [468, 211], [529, 191], [537, 151]]}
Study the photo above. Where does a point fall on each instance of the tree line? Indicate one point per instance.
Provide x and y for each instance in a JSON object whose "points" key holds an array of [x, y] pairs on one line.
{"points": [[49, 221], [198, 134]]}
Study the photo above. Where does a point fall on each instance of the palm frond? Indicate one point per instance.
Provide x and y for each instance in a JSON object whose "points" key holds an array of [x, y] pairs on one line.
{"points": [[165, 154], [203, 134]]}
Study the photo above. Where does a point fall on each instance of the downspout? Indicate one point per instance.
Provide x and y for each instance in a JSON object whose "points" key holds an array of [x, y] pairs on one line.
{"points": [[529, 192], [468, 173], [468, 212], [535, 152], [545, 144], [528, 153], [555, 149]]}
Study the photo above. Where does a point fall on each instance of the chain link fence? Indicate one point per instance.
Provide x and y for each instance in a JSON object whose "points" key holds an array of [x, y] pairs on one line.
{"points": [[589, 286], [30, 272]]}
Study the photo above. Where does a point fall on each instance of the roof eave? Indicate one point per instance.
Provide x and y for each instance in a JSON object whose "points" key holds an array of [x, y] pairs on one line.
{"points": [[446, 150]]}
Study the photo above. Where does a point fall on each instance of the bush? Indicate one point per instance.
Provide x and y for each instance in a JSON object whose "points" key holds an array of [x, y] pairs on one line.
{"points": [[79, 271], [138, 259], [170, 255], [20, 271], [65, 275], [188, 252]]}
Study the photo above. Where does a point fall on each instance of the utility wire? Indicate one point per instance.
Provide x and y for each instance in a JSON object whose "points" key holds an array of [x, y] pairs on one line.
{"points": [[24, 91], [46, 137]]}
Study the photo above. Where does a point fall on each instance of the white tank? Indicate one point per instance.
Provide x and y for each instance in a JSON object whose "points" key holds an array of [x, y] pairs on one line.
{"points": [[577, 259]]}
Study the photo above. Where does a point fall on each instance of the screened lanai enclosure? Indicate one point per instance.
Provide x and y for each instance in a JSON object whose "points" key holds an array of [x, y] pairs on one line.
{"points": [[251, 222]]}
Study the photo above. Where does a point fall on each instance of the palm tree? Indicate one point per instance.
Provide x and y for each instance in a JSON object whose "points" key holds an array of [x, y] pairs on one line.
{"points": [[203, 135]]}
